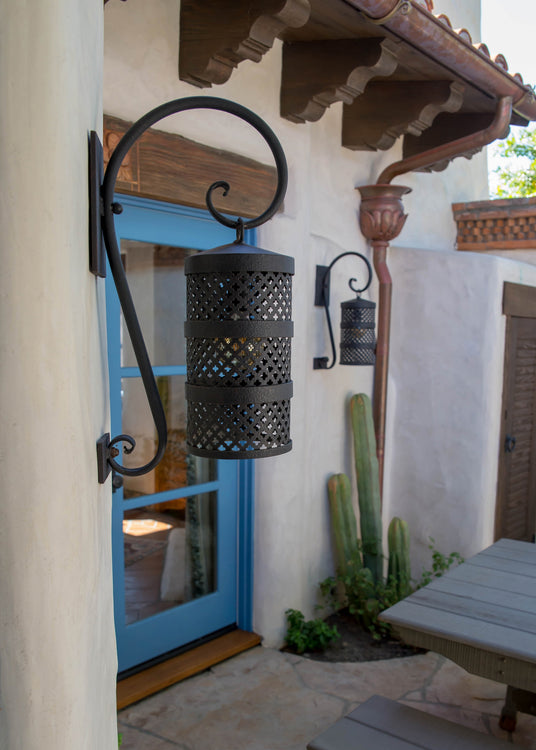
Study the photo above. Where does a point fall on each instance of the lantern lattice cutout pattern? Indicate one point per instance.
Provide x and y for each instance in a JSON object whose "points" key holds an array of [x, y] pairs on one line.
{"points": [[238, 334]]}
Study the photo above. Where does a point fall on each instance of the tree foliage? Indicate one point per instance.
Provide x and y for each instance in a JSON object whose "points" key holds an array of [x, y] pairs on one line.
{"points": [[516, 174]]}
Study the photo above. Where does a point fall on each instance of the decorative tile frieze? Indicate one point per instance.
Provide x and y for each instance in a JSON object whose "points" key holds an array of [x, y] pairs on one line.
{"points": [[507, 224]]}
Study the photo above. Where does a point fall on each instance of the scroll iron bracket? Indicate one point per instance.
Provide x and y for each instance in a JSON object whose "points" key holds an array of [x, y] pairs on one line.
{"points": [[102, 236]]}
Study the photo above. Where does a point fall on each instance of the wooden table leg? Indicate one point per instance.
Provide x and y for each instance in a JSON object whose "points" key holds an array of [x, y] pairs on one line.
{"points": [[509, 712], [516, 700]]}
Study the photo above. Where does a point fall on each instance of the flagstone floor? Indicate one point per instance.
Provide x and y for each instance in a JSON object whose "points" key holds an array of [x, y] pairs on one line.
{"points": [[267, 700]]}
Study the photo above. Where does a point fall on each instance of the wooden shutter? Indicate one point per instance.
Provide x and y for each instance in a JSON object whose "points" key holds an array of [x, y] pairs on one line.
{"points": [[516, 500]]}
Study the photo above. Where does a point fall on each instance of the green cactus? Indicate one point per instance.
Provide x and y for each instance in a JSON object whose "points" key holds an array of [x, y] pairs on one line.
{"points": [[399, 566], [368, 484], [343, 524]]}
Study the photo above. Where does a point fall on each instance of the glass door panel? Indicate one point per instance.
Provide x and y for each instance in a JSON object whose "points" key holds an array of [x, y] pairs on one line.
{"points": [[170, 554], [177, 468], [155, 275]]}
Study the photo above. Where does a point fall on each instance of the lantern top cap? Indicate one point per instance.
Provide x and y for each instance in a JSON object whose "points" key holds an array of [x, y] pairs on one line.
{"points": [[358, 302], [238, 256]]}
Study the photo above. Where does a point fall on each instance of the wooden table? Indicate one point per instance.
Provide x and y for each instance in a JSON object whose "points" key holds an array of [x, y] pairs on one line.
{"points": [[481, 615]]}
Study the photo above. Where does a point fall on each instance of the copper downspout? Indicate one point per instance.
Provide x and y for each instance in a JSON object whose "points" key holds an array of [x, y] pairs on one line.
{"points": [[379, 405], [466, 145], [381, 218]]}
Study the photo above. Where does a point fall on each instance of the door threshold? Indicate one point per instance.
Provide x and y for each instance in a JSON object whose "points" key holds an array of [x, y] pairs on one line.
{"points": [[178, 668]]}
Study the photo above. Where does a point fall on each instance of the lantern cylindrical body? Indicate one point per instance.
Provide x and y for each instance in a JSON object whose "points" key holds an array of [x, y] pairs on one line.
{"points": [[358, 341], [238, 344]]}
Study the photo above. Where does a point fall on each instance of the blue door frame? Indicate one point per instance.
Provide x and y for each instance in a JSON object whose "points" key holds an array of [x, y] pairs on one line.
{"points": [[231, 602]]}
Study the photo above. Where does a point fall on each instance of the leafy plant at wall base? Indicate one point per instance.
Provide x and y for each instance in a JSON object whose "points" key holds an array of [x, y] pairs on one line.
{"points": [[440, 564], [368, 598], [119, 740], [310, 635]]}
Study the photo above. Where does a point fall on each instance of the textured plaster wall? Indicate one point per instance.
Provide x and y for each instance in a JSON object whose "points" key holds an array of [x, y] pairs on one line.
{"points": [[445, 396], [292, 533], [57, 649]]}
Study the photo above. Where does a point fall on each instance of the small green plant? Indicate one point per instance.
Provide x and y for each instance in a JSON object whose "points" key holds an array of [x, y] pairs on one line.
{"points": [[440, 564], [119, 740], [307, 635], [368, 598], [365, 598]]}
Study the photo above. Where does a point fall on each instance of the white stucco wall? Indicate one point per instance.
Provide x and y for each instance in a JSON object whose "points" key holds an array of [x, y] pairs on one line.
{"points": [[445, 396], [292, 533], [57, 649]]}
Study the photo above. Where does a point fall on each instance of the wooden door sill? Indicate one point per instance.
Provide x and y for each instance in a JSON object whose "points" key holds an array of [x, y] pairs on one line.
{"points": [[150, 681]]}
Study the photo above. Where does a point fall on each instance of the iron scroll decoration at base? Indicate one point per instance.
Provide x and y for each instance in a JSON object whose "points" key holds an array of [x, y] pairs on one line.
{"points": [[238, 328], [358, 342]]}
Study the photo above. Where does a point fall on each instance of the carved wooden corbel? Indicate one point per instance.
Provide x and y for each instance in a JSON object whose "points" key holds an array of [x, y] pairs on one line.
{"points": [[317, 74], [389, 109], [217, 35]]}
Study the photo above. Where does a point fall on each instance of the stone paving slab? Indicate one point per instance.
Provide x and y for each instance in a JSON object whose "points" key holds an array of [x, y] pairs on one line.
{"points": [[264, 699]]}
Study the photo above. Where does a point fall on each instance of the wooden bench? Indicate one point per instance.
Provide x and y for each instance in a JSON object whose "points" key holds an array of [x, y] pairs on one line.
{"points": [[382, 724]]}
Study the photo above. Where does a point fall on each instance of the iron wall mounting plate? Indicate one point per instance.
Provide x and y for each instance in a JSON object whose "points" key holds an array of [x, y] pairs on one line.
{"points": [[103, 452], [321, 294], [319, 284], [97, 251]]}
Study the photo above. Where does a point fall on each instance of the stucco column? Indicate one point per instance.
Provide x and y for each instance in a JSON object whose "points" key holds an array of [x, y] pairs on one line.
{"points": [[57, 651]]}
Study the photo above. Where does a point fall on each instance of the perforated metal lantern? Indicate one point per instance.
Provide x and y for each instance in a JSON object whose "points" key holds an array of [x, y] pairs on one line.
{"points": [[238, 339], [358, 341]]}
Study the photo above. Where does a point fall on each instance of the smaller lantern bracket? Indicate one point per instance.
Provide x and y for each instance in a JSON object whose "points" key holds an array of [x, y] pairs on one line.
{"points": [[322, 286], [103, 207]]}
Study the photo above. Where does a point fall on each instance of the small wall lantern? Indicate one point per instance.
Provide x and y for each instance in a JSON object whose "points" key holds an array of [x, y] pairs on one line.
{"points": [[238, 326], [358, 342]]}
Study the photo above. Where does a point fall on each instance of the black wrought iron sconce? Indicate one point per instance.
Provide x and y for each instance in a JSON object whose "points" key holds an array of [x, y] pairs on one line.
{"points": [[238, 327], [358, 342]]}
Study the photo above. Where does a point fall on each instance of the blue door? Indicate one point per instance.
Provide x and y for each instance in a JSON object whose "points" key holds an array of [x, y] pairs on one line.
{"points": [[177, 532]]}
